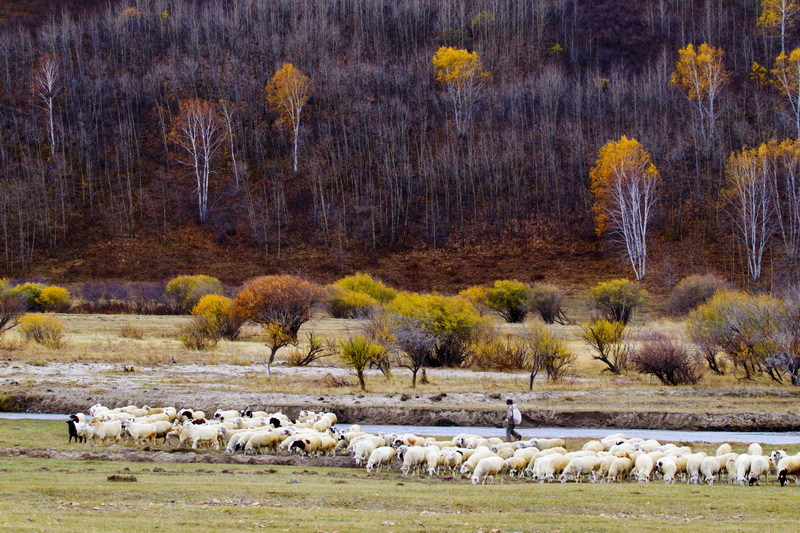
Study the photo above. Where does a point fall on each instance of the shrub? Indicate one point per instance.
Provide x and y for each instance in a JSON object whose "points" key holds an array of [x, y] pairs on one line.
{"points": [[667, 360], [617, 299], [11, 309], [28, 293], [546, 299], [415, 346], [452, 321], [358, 352], [745, 327], [281, 304], [509, 299], [129, 331], [344, 303], [314, 350], [42, 329], [151, 298], [694, 290], [186, 291], [606, 338], [3, 285], [54, 299], [499, 352], [546, 353], [476, 295], [217, 317], [365, 284], [194, 338], [104, 297]]}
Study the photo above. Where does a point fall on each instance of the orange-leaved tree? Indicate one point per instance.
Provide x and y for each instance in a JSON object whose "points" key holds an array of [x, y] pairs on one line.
{"points": [[463, 77], [624, 186], [749, 195], [778, 16], [287, 93], [701, 74], [198, 131], [786, 77], [281, 304]]}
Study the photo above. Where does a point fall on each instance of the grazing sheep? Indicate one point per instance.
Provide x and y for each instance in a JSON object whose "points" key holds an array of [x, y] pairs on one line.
{"points": [[620, 469], [668, 468], [468, 466], [413, 459], [712, 466], [433, 459], [646, 446], [548, 467], [452, 460], [754, 449], [723, 449], [693, 463], [788, 466], [261, 440], [516, 465], [579, 467], [488, 467], [759, 466], [362, 451], [742, 468], [380, 457], [543, 444], [644, 465], [594, 446]]}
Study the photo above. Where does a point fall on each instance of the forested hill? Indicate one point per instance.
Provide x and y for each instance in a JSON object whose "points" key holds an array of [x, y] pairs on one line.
{"points": [[385, 170]]}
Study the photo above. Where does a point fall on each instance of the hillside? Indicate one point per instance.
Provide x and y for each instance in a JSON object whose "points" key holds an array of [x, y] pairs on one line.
{"points": [[386, 180]]}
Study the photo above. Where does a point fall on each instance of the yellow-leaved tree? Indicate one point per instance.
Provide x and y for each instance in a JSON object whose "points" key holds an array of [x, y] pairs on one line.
{"points": [[749, 195], [287, 93], [701, 74], [624, 183], [462, 75], [778, 16], [786, 77]]}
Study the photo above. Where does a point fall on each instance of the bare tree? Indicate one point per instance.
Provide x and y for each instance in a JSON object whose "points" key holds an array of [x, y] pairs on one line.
{"points": [[45, 86], [416, 346], [197, 130]]}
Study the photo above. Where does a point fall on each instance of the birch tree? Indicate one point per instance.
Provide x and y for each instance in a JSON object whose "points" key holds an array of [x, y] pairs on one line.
{"points": [[198, 132], [463, 77], [701, 74], [786, 77], [786, 188], [778, 16], [287, 94], [750, 199], [624, 183], [45, 86]]}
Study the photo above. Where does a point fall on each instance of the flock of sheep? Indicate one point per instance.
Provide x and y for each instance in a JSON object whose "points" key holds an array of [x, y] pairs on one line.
{"points": [[614, 458]]}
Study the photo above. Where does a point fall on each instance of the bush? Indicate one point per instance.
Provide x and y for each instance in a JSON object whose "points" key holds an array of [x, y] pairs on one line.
{"points": [[546, 300], [281, 304], [694, 290], [344, 303], [129, 331], [42, 329], [617, 299], [193, 337], [186, 291], [509, 299], [606, 339], [476, 295], [217, 317], [364, 284], [151, 298], [499, 353], [358, 352], [11, 309], [745, 327], [314, 350], [104, 297], [669, 361], [452, 321], [546, 353], [28, 293], [54, 299]]}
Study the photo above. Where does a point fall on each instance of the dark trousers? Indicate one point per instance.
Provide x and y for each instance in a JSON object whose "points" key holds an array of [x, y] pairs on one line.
{"points": [[511, 435]]}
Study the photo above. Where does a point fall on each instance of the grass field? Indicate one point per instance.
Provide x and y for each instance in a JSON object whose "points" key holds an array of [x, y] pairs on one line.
{"points": [[74, 495]]}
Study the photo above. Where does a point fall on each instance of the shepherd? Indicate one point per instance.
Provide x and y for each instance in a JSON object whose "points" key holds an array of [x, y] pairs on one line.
{"points": [[513, 417]]}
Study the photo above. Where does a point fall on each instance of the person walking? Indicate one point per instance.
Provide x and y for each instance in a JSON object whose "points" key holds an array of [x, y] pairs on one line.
{"points": [[513, 417]]}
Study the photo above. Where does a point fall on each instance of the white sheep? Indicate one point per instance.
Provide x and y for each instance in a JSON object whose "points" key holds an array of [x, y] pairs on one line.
{"points": [[754, 449], [468, 466], [742, 467], [759, 466], [712, 466], [140, 432], [594, 446], [579, 467], [413, 458], [516, 465], [488, 467], [788, 466], [644, 465], [548, 467], [452, 460], [668, 468], [362, 450], [543, 444], [693, 463], [380, 457], [106, 430], [260, 440], [433, 458], [723, 449], [620, 469]]}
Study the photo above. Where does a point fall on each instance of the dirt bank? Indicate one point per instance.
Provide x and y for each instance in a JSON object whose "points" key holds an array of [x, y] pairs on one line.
{"points": [[61, 402]]}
